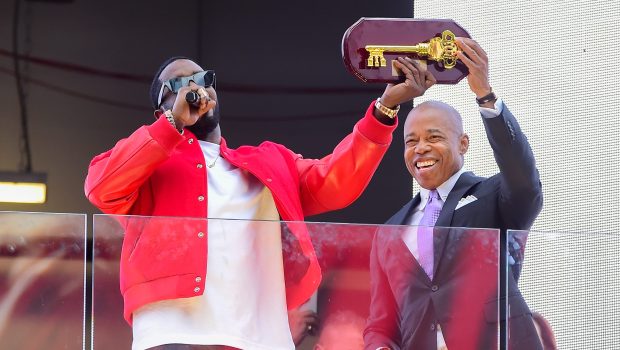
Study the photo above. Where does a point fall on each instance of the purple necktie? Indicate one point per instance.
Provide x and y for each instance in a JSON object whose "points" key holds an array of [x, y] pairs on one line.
{"points": [[425, 234]]}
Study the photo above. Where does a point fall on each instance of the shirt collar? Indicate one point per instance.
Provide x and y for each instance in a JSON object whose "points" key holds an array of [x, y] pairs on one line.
{"points": [[212, 149], [443, 189]]}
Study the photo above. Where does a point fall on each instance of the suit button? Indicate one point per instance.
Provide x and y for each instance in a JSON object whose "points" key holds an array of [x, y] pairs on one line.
{"points": [[199, 166], [198, 279], [190, 141], [201, 234], [434, 288], [197, 290], [433, 327], [201, 198]]}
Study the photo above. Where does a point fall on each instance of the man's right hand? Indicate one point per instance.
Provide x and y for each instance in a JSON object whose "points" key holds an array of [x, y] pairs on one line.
{"points": [[186, 115], [417, 80]]}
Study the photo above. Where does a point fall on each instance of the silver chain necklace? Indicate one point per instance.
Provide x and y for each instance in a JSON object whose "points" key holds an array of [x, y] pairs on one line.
{"points": [[213, 164]]}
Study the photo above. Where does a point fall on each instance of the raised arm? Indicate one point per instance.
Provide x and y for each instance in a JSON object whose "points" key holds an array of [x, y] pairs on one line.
{"points": [[114, 177], [338, 179], [521, 191]]}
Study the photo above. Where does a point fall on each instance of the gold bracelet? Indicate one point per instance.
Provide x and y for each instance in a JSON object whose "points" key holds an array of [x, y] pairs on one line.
{"points": [[385, 110]]}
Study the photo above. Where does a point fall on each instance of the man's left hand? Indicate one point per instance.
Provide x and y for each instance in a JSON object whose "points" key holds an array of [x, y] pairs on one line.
{"points": [[476, 60]]}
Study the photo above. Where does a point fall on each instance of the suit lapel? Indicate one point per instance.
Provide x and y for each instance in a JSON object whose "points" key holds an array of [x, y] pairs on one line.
{"points": [[403, 216], [407, 263], [462, 186], [397, 249]]}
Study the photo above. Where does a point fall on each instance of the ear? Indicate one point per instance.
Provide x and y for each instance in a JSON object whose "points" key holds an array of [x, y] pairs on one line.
{"points": [[157, 113], [464, 144]]}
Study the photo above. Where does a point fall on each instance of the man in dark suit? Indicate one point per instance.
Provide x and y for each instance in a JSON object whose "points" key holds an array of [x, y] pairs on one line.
{"points": [[438, 295]]}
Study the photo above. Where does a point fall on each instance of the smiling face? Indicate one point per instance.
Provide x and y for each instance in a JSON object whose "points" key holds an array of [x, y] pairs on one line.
{"points": [[434, 143]]}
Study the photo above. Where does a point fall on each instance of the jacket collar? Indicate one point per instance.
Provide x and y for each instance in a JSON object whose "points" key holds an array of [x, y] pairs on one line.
{"points": [[465, 181]]}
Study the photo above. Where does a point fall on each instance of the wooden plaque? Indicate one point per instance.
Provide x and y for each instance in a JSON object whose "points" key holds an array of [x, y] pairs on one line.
{"points": [[397, 32]]}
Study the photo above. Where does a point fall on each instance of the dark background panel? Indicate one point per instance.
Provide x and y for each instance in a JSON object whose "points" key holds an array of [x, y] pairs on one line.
{"points": [[263, 53]]}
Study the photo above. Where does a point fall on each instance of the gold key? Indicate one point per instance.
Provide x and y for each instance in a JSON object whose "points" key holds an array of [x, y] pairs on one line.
{"points": [[441, 49]]}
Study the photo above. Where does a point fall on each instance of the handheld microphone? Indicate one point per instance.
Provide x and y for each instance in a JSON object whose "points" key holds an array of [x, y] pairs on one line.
{"points": [[193, 98]]}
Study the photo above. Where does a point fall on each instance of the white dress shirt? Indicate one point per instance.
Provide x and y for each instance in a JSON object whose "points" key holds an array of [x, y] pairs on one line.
{"points": [[244, 303]]}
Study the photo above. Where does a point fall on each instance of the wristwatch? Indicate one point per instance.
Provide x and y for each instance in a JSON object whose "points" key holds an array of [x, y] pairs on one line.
{"points": [[385, 110], [486, 98]]}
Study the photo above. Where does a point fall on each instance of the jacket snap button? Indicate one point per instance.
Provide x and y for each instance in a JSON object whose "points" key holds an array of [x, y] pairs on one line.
{"points": [[434, 288], [201, 234], [197, 290], [199, 166], [201, 198], [198, 279]]}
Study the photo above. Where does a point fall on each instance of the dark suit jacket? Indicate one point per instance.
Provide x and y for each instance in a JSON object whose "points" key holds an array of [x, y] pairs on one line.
{"points": [[406, 305]]}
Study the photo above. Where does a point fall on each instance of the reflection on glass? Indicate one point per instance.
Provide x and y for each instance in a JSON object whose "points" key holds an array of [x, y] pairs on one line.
{"points": [[42, 268], [464, 292], [572, 286], [457, 306]]}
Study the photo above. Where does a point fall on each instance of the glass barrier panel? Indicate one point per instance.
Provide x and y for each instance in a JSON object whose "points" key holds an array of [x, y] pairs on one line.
{"points": [[346, 284], [42, 280], [571, 283]]}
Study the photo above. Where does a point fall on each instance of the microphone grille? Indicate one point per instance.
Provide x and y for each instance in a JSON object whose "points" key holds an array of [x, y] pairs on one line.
{"points": [[192, 97]]}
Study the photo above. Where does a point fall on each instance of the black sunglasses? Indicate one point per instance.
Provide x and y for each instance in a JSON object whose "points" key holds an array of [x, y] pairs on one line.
{"points": [[205, 78]]}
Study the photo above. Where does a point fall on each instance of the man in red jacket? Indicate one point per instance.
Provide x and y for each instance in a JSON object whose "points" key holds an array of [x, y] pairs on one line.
{"points": [[180, 166]]}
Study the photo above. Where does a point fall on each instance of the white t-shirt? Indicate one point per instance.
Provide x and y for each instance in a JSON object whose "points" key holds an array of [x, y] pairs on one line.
{"points": [[244, 304]]}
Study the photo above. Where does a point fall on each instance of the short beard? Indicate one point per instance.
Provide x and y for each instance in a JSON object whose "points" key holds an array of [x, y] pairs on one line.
{"points": [[206, 124]]}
